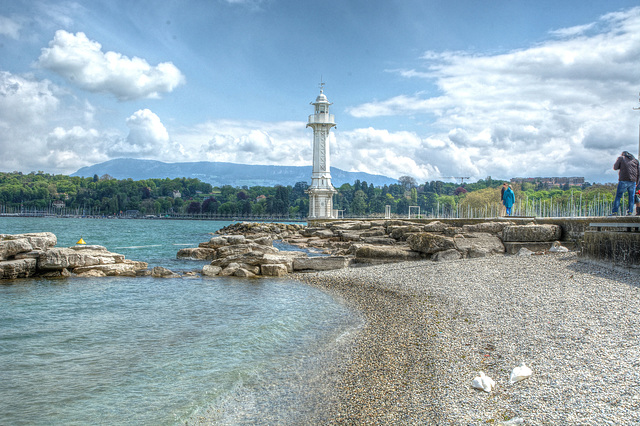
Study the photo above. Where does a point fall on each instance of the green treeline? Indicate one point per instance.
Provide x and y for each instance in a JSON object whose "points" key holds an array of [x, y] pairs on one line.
{"points": [[108, 196]]}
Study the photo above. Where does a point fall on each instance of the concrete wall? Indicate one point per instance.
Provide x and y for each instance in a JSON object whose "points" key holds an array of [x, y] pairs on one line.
{"points": [[620, 250]]}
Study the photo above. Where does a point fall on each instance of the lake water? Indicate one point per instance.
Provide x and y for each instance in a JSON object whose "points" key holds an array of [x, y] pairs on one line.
{"points": [[148, 350]]}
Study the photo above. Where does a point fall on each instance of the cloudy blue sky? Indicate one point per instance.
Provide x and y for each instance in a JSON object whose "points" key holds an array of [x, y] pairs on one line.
{"points": [[425, 88]]}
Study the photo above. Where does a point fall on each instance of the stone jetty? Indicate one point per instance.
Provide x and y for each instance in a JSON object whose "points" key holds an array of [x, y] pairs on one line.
{"points": [[35, 254], [246, 249]]}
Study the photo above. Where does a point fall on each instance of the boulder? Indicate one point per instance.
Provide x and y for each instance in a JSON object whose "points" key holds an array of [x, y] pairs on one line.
{"points": [[285, 258], [58, 273], [297, 241], [35, 254], [211, 270], [382, 254], [88, 273], [310, 231], [263, 241], [427, 242], [230, 269], [197, 253], [160, 272], [401, 233], [317, 242], [9, 248], [38, 240], [350, 225], [214, 243], [89, 247], [377, 231], [478, 244], [436, 226], [380, 241], [236, 239], [254, 269], [126, 268], [256, 259], [322, 233], [446, 255], [244, 248], [273, 269], [490, 227], [389, 224], [71, 258], [320, 263], [241, 272], [20, 268], [531, 233], [349, 236]]}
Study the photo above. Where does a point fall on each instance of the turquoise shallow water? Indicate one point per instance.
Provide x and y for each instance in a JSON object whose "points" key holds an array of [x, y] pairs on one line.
{"points": [[144, 350]]}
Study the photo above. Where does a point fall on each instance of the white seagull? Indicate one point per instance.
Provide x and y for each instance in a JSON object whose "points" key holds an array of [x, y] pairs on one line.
{"points": [[483, 382], [520, 373]]}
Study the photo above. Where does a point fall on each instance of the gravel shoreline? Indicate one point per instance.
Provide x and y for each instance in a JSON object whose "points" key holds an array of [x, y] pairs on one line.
{"points": [[432, 326]]}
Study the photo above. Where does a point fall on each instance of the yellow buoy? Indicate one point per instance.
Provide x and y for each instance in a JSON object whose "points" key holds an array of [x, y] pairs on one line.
{"points": [[81, 241]]}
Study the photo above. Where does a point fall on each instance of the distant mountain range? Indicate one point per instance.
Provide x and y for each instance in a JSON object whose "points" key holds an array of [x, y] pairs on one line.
{"points": [[218, 174]]}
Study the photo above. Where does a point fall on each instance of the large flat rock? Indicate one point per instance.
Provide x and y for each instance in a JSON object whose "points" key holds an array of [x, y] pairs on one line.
{"points": [[9, 248], [21, 268], [531, 233], [70, 258], [38, 240], [320, 263]]}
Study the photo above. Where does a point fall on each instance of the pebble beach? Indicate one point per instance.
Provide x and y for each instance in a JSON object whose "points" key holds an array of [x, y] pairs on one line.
{"points": [[430, 327]]}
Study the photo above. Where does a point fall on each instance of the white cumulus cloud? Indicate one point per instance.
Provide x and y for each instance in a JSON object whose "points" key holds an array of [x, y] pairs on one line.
{"points": [[82, 61], [247, 142], [561, 107], [147, 137], [25, 103], [72, 148]]}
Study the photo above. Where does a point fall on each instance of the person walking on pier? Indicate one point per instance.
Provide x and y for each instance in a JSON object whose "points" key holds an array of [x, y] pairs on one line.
{"points": [[628, 178], [508, 198], [503, 209]]}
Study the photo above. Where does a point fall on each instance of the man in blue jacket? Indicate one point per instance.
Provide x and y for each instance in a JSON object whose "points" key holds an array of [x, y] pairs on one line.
{"points": [[628, 177]]}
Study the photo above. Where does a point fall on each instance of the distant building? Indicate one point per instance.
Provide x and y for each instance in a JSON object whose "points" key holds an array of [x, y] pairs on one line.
{"points": [[551, 181], [176, 194], [58, 204]]}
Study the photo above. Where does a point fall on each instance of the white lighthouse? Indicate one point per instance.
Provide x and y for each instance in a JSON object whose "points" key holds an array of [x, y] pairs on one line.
{"points": [[321, 191]]}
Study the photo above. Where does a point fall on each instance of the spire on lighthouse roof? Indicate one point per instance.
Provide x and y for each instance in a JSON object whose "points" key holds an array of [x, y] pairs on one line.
{"points": [[321, 97]]}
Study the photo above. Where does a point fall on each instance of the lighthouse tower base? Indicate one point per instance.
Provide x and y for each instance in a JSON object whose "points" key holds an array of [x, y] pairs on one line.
{"points": [[321, 203]]}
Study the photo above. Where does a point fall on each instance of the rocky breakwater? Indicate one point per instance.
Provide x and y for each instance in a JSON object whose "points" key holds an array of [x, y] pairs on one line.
{"points": [[246, 249], [35, 254], [372, 242]]}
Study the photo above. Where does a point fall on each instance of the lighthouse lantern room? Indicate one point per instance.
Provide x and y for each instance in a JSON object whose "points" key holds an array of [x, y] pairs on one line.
{"points": [[321, 190]]}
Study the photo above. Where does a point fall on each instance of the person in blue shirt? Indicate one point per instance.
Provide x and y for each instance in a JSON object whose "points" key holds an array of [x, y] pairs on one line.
{"points": [[508, 198]]}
